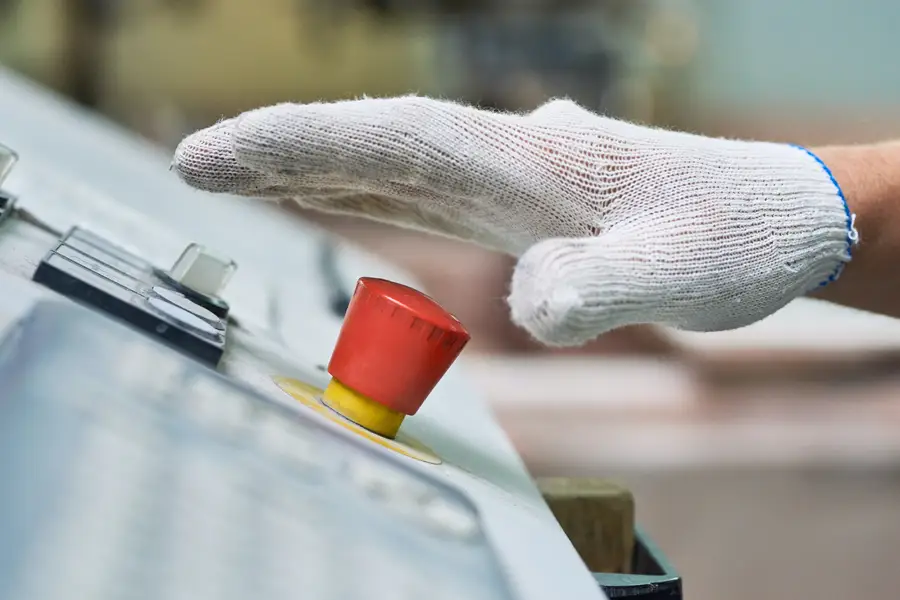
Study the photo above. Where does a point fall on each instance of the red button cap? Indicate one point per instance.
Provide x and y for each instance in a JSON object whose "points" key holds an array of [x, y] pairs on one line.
{"points": [[395, 344]]}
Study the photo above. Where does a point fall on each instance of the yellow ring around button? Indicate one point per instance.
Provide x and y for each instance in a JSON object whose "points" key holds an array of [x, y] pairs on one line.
{"points": [[362, 410], [312, 398]]}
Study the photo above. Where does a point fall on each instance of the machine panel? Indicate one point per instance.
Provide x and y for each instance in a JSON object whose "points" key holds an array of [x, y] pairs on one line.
{"points": [[192, 478], [87, 268], [139, 473]]}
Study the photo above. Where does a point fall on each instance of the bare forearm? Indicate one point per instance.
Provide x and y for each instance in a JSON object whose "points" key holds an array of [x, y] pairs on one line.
{"points": [[870, 179]]}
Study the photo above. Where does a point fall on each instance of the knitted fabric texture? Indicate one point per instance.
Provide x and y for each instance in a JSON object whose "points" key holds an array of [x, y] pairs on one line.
{"points": [[613, 223]]}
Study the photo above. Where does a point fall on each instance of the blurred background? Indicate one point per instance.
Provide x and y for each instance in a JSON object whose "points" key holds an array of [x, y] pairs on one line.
{"points": [[765, 462]]}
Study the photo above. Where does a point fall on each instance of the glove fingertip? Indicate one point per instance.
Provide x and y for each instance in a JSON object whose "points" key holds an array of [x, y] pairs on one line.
{"points": [[546, 299], [205, 160]]}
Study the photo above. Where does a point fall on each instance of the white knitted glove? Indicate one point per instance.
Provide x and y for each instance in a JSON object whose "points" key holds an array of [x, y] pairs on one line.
{"points": [[614, 223]]}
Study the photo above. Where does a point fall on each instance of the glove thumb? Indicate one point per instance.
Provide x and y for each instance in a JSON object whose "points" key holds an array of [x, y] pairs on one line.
{"points": [[566, 292]]}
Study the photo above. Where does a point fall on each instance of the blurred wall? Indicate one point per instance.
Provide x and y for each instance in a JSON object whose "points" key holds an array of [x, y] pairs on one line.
{"points": [[797, 55], [806, 71], [213, 58], [236, 54], [30, 38]]}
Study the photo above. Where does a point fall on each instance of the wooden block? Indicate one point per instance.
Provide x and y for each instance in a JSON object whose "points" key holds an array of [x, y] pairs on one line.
{"points": [[598, 517]]}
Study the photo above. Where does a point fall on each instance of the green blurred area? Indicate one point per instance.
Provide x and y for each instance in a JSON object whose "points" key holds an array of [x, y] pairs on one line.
{"points": [[164, 67], [808, 70], [229, 56]]}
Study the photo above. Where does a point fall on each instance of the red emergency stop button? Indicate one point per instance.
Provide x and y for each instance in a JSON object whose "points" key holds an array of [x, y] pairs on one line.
{"points": [[394, 346]]}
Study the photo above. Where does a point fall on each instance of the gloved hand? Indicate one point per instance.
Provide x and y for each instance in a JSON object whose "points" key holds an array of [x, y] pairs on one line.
{"points": [[614, 223]]}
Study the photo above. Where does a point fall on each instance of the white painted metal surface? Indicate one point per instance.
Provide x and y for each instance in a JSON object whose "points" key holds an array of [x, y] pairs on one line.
{"points": [[77, 169]]}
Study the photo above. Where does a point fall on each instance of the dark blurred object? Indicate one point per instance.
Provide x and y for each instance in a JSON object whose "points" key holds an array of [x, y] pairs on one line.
{"points": [[515, 63], [8, 7], [394, 8], [101, 13], [338, 295], [184, 8], [87, 24], [384, 8], [456, 7], [516, 54]]}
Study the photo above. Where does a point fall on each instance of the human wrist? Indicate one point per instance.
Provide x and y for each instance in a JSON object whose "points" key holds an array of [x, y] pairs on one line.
{"points": [[829, 215], [870, 178], [846, 164]]}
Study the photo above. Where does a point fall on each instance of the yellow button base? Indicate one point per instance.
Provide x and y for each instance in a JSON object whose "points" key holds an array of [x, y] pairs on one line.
{"points": [[363, 411], [311, 397]]}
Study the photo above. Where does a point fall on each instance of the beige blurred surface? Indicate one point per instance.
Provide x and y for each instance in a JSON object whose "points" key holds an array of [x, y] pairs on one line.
{"points": [[771, 490], [217, 59], [775, 534]]}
